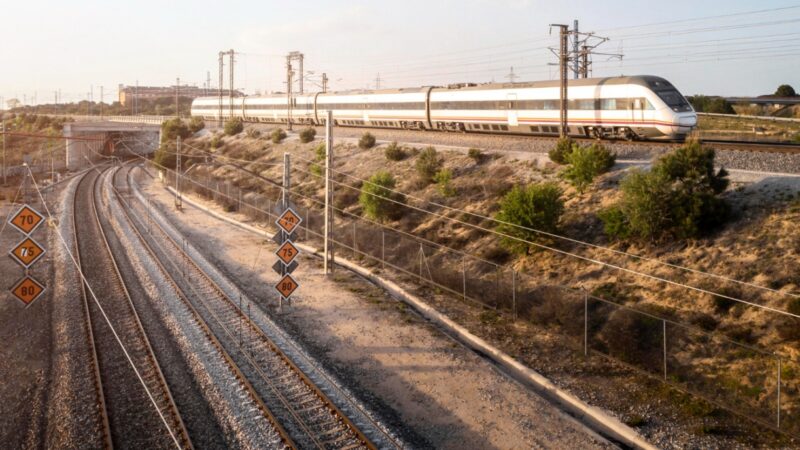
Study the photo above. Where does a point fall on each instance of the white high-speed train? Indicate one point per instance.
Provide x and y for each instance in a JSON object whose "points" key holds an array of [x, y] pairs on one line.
{"points": [[638, 107]]}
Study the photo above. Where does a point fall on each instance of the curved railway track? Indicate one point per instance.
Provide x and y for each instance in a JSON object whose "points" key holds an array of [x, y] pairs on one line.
{"points": [[132, 418], [296, 405]]}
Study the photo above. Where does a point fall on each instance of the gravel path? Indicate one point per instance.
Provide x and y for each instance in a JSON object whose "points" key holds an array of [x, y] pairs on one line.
{"points": [[444, 395]]}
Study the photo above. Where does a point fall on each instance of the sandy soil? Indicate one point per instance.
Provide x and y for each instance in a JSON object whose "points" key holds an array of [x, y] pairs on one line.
{"points": [[443, 395]]}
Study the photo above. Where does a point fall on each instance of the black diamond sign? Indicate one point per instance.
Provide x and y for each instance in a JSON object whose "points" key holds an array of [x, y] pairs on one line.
{"points": [[277, 237], [278, 267]]}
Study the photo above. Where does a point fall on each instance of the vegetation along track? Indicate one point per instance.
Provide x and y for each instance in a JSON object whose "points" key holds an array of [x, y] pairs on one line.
{"points": [[303, 410], [135, 418]]}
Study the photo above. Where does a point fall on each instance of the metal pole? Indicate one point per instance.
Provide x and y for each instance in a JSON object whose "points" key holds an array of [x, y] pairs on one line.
{"points": [[779, 393], [177, 95], [289, 92], [563, 61], [585, 323], [383, 249], [328, 160], [221, 80], [665, 349], [3, 124], [230, 92], [514, 293], [355, 253], [286, 181], [178, 175], [576, 60], [240, 320], [464, 276]]}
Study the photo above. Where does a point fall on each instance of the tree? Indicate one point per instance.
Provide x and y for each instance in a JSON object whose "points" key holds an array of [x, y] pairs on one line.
{"points": [[526, 210], [559, 153], [378, 198], [585, 163], [785, 90], [679, 197], [428, 163]]}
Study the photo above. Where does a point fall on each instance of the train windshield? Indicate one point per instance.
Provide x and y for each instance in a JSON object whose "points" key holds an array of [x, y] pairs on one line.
{"points": [[674, 100]]}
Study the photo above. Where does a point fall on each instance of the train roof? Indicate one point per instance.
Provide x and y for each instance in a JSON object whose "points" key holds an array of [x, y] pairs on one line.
{"points": [[648, 81]]}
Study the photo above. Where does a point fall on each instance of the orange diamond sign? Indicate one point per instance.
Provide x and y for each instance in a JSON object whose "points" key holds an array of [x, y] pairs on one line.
{"points": [[286, 286], [287, 252], [27, 252], [288, 221], [26, 219], [27, 290]]}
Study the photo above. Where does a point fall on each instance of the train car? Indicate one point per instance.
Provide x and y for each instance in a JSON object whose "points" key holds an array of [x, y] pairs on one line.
{"points": [[622, 107], [273, 109], [640, 107], [209, 107], [395, 108]]}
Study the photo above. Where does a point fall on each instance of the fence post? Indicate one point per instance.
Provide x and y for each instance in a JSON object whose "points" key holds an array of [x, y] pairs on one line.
{"points": [[355, 254], [664, 322], [420, 261], [307, 224], [514, 294], [585, 323], [383, 248], [779, 393], [464, 276]]}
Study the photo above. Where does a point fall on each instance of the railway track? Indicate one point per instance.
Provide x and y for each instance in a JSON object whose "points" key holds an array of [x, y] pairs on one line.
{"points": [[132, 418], [305, 415]]}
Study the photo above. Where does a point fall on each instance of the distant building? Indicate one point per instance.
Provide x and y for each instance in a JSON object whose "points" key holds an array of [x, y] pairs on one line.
{"points": [[127, 94]]}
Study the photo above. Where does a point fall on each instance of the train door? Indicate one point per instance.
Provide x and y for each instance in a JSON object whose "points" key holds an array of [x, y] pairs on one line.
{"points": [[638, 111], [511, 109]]}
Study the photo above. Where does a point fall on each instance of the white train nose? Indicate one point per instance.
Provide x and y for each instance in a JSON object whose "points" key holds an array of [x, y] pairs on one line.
{"points": [[687, 121]]}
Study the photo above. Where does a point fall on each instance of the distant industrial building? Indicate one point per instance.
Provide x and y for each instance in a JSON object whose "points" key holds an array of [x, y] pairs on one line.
{"points": [[128, 94]]}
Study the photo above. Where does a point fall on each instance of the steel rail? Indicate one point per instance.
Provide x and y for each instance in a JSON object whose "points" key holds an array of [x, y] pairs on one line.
{"points": [[201, 322], [172, 410], [262, 339]]}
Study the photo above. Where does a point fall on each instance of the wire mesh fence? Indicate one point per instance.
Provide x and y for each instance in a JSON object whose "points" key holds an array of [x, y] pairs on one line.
{"points": [[742, 379]]}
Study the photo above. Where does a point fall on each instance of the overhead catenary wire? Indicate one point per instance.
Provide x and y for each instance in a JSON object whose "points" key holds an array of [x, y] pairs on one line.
{"points": [[103, 313]]}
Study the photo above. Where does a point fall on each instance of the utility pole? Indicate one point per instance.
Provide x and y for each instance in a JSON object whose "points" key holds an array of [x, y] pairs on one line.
{"points": [[328, 250], [208, 82], [324, 82], [584, 66], [575, 43], [3, 124], [563, 64], [230, 92], [221, 80], [178, 199], [136, 99], [289, 74], [378, 82], [177, 95], [101, 102], [511, 75]]}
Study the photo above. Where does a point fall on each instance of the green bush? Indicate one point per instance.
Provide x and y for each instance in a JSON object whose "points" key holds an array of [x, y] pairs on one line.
{"points": [[196, 124], [216, 141], [234, 126], [395, 152], [307, 135], [442, 179], [559, 153], [476, 154], [319, 152], [278, 135], [165, 156], [172, 128], [428, 163], [679, 197], [585, 163], [535, 207], [367, 141], [785, 90], [378, 199]]}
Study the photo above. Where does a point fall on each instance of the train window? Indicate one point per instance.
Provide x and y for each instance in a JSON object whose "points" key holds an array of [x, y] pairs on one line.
{"points": [[504, 127], [534, 129], [674, 100], [485, 127], [496, 127]]}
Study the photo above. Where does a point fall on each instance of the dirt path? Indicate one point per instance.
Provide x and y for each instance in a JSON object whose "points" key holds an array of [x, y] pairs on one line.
{"points": [[421, 381]]}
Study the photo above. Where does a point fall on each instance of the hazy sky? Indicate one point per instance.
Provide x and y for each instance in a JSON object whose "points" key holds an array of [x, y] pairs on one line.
{"points": [[728, 47]]}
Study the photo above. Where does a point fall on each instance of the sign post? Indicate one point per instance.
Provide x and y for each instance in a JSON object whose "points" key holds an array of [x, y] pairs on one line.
{"points": [[287, 252], [27, 253]]}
